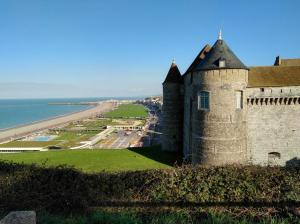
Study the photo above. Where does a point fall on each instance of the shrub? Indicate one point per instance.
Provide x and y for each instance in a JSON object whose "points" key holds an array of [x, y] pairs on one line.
{"points": [[67, 189]]}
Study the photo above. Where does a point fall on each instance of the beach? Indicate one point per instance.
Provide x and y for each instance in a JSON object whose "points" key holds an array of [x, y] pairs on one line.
{"points": [[17, 132]]}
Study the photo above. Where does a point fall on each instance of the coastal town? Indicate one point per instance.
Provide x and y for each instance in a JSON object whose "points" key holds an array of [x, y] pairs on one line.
{"points": [[112, 124]]}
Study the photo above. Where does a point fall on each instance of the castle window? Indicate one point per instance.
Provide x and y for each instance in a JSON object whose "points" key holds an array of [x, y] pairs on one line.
{"points": [[203, 100], [222, 63], [273, 158], [239, 99], [262, 89]]}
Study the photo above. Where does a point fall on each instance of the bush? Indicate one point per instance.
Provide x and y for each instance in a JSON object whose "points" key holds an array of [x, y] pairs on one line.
{"points": [[159, 217], [67, 189], [53, 189]]}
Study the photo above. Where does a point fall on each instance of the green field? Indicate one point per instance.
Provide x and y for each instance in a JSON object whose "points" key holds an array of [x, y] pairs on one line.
{"points": [[71, 139], [91, 124], [128, 110], [64, 140], [110, 160]]}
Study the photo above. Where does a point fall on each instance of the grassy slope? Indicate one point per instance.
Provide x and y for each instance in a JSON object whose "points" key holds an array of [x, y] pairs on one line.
{"points": [[128, 110], [98, 160]]}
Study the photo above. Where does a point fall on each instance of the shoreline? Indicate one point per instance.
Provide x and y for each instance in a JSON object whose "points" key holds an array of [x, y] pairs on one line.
{"points": [[23, 130], [46, 119]]}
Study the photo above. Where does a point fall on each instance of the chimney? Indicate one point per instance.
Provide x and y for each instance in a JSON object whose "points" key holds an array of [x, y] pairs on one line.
{"points": [[277, 61]]}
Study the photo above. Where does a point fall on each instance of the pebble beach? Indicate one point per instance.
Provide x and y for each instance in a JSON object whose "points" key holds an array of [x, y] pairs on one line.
{"points": [[18, 132]]}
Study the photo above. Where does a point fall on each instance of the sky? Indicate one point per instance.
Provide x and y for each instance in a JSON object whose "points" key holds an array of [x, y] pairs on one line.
{"points": [[103, 48]]}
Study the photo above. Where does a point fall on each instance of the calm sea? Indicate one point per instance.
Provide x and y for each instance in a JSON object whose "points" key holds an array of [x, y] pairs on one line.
{"points": [[25, 111]]}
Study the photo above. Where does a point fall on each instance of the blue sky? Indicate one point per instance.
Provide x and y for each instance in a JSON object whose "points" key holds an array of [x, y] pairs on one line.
{"points": [[93, 48]]}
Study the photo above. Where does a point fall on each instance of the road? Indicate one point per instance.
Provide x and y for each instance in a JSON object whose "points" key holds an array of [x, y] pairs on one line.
{"points": [[118, 140]]}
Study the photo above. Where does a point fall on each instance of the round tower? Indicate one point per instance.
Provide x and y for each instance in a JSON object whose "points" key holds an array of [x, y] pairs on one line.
{"points": [[172, 110], [219, 112]]}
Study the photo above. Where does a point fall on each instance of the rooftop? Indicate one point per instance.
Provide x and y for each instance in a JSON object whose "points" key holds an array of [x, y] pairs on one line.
{"points": [[274, 76], [199, 58], [220, 56], [287, 62], [173, 75]]}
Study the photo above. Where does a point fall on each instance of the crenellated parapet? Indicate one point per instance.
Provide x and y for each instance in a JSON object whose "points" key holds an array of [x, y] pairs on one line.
{"points": [[273, 124], [273, 96], [273, 101]]}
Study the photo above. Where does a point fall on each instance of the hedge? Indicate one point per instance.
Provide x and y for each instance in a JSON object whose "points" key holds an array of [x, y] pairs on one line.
{"points": [[67, 189]]}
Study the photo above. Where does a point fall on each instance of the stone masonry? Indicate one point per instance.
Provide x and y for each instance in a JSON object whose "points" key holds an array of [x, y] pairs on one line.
{"points": [[250, 115]]}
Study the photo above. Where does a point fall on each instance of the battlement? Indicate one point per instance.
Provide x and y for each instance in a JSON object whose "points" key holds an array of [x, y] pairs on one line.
{"points": [[273, 101], [273, 96]]}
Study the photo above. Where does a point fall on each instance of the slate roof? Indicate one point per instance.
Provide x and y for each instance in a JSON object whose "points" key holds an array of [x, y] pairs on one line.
{"points": [[199, 58], [220, 50], [274, 76], [173, 75], [285, 72]]}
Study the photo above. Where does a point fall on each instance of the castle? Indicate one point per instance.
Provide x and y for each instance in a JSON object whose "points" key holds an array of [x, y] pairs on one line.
{"points": [[221, 112]]}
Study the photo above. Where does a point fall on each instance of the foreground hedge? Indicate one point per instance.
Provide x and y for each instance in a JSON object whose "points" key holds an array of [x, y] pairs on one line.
{"points": [[65, 189], [177, 217]]}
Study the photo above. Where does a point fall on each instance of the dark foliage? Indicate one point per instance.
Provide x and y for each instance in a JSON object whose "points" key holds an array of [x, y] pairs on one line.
{"points": [[63, 189]]}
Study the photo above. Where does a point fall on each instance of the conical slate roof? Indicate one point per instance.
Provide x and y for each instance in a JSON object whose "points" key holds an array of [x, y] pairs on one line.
{"points": [[173, 75], [200, 57], [220, 51]]}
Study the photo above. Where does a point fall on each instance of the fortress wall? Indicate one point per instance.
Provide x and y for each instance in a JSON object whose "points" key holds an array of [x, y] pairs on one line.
{"points": [[172, 115], [187, 116], [219, 134], [273, 125]]}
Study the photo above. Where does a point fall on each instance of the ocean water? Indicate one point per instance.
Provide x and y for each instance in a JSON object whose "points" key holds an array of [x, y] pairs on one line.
{"points": [[16, 112]]}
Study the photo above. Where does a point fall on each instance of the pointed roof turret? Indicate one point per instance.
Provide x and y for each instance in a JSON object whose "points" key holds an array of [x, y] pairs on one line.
{"points": [[220, 56], [173, 75]]}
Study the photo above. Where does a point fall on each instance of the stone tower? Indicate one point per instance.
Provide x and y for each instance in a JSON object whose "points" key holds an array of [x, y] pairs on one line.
{"points": [[172, 111], [219, 134]]}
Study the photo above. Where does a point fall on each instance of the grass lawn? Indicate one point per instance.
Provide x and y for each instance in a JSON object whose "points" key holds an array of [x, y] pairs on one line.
{"points": [[27, 144], [128, 110], [98, 123], [64, 140], [71, 139], [110, 160], [91, 124]]}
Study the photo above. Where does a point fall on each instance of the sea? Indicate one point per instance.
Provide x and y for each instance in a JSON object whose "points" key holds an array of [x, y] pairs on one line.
{"points": [[17, 112]]}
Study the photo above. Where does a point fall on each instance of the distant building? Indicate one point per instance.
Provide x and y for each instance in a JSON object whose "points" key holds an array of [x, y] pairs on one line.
{"points": [[221, 112]]}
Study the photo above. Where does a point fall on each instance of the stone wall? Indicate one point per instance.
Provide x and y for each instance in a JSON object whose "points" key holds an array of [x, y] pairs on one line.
{"points": [[172, 117], [273, 125], [187, 153], [218, 134], [265, 132]]}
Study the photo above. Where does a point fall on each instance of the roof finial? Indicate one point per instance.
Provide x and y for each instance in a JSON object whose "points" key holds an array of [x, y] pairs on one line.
{"points": [[220, 35], [173, 61]]}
